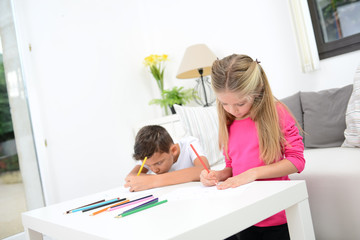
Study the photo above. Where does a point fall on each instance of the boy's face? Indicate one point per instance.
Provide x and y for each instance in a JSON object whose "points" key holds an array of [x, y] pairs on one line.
{"points": [[160, 162]]}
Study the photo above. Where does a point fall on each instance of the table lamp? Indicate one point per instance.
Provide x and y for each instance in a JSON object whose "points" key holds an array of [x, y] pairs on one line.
{"points": [[197, 62]]}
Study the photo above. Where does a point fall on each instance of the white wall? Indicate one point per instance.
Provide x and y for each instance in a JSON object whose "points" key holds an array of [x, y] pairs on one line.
{"points": [[87, 86]]}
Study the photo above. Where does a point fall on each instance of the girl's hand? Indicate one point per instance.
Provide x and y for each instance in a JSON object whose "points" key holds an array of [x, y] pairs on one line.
{"points": [[139, 183], [241, 179], [208, 179]]}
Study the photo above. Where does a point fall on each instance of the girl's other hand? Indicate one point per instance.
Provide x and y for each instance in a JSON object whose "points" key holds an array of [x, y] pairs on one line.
{"points": [[241, 179], [208, 178]]}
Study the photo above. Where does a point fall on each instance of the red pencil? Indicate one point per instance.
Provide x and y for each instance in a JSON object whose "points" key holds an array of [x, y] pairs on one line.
{"points": [[199, 158]]}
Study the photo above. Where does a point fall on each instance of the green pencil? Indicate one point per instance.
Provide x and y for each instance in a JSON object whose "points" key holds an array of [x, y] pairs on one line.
{"points": [[140, 209]]}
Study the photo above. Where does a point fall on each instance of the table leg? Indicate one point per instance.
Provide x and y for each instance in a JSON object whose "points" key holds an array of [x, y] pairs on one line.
{"points": [[300, 222], [32, 235]]}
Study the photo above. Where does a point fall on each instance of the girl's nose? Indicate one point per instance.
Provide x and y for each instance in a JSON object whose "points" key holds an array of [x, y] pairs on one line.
{"points": [[233, 109]]}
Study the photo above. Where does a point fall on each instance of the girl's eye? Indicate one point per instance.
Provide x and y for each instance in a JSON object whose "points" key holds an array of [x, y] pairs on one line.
{"points": [[240, 104]]}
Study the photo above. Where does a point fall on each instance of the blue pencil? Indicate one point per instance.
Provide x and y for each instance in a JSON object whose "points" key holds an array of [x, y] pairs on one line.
{"points": [[95, 205]]}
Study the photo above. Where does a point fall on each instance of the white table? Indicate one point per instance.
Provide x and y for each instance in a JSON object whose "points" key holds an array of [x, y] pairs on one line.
{"points": [[211, 214]]}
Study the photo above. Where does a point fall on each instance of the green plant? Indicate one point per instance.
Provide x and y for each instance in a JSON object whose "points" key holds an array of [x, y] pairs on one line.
{"points": [[176, 95], [6, 127], [9, 163], [156, 65]]}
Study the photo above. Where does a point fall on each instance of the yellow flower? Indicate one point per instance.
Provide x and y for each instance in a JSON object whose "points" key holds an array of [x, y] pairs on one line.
{"points": [[155, 59], [155, 64]]}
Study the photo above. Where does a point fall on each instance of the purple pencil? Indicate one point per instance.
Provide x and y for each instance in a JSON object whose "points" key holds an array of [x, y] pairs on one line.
{"points": [[130, 203]]}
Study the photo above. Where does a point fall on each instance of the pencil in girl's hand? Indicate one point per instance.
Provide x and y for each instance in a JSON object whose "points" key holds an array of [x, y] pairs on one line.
{"points": [[142, 165], [140, 209], [202, 162], [69, 211], [105, 209]]}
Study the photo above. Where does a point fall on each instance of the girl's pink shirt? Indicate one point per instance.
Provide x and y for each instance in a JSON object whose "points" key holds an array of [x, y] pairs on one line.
{"points": [[243, 152]]}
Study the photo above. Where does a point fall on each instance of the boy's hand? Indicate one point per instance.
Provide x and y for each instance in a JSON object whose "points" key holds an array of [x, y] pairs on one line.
{"points": [[208, 179], [139, 183]]}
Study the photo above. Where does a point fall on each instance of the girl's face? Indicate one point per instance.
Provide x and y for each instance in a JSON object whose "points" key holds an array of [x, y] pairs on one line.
{"points": [[237, 106]]}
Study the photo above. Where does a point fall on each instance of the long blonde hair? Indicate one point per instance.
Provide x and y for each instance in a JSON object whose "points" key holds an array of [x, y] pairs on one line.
{"points": [[242, 75]]}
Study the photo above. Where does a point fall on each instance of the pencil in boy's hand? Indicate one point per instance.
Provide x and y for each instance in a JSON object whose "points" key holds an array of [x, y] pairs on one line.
{"points": [[140, 209], [202, 162], [142, 165]]}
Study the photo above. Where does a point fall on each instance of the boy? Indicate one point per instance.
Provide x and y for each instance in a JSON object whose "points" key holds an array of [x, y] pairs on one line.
{"points": [[172, 163]]}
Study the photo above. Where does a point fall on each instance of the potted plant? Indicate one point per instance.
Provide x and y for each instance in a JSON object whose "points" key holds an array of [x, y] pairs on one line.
{"points": [[8, 156], [176, 95]]}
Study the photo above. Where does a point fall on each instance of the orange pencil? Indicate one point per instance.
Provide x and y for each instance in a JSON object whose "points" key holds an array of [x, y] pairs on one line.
{"points": [[105, 209], [202, 162]]}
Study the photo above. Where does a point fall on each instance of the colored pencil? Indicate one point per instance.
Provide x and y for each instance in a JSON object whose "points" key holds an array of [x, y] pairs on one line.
{"points": [[202, 162], [104, 204], [69, 211], [142, 165], [130, 203], [138, 199], [142, 205], [98, 204], [105, 209], [140, 209]]}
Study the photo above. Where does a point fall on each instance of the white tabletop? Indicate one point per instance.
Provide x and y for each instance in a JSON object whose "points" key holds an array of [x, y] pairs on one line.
{"points": [[192, 211]]}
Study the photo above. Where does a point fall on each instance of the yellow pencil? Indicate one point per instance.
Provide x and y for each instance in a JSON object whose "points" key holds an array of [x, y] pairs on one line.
{"points": [[142, 165]]}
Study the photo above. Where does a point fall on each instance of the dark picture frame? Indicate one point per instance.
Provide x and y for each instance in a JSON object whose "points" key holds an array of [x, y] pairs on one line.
{"points": [[335, 47]]}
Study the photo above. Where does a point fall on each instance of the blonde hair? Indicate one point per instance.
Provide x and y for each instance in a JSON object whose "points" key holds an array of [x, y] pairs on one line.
{"points": [[242, 75]]}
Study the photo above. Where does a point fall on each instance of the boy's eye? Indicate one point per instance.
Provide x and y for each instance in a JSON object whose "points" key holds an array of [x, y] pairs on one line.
{"points": [[158, 163]]}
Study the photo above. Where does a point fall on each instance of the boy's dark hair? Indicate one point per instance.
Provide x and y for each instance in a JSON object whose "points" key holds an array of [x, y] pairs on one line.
{"points": [[151, 139]]}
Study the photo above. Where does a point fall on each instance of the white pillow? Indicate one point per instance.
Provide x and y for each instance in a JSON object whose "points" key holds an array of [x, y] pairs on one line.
{"points": [[352, 116], [202, 123]]}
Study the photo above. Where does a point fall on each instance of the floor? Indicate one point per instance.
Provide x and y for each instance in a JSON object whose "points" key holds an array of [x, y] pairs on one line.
{"points": [[12, 204]]}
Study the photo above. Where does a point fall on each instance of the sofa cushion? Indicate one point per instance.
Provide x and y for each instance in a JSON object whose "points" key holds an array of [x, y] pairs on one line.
{"points": [[202, 123], [293, 102], [324, 116], [352, 116]]}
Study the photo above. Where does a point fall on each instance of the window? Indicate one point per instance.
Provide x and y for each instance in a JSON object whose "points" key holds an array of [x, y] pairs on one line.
{"points": [[336, 26]]}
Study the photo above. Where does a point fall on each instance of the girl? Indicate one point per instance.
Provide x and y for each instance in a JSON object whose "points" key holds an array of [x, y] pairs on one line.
{"points": [[257, 133]]}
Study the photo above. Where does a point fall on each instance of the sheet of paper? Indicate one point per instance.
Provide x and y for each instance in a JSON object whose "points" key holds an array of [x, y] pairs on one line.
{"points": [[201, 192]]}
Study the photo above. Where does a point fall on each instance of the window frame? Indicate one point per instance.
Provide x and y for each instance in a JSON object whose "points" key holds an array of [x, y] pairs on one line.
{"points": [[334, 48]]}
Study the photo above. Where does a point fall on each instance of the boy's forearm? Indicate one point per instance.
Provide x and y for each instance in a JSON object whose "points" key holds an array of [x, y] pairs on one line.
{"points": [[176, 177]]}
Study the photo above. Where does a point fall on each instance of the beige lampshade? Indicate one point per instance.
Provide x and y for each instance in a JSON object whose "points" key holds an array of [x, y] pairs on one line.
{"points": [[195, 57]]}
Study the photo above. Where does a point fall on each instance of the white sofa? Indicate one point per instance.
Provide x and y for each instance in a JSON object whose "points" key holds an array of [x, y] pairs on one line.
{"points": [[332, 176]]}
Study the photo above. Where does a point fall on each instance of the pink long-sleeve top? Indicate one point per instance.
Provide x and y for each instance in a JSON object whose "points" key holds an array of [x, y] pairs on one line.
{"points": [[243, 152]]}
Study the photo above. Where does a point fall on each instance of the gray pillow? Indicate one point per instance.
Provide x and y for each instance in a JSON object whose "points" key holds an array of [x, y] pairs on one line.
{"points": [[324, 116], [294, 104]]}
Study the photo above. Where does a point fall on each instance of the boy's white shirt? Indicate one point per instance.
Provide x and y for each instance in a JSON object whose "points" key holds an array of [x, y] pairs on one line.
{"points": [[187, 155]]}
